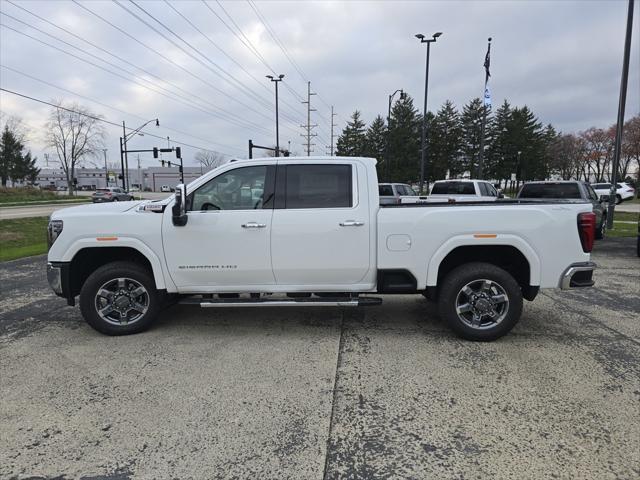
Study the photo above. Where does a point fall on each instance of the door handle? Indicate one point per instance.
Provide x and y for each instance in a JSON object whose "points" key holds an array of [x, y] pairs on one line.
{"points": [[253, 225], [351, 223]]}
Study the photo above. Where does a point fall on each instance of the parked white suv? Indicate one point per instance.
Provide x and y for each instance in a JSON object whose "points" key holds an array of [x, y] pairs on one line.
{"points": [[624, 191]]}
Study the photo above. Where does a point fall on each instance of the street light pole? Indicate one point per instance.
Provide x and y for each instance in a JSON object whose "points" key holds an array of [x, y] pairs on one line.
{"points": [[386, 146], [423, 166], [276, 80], [620, 124], [106, 173], [123, 149]]}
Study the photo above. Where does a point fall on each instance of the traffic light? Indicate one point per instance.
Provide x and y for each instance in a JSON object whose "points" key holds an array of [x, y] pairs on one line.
{"points": [[178, 152], [155, 152], [162, 161]]}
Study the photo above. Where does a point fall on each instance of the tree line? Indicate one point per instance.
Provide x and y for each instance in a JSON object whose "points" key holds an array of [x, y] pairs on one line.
{"points": [[515, 142]]}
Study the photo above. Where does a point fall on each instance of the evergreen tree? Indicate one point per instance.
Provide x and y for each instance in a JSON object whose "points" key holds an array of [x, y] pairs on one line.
{"points": [[471, 124], [525, 136], [445, 143], [24, 168], [376, 140], [404, 142], [498, 165], [10, 154], [352, 142]]}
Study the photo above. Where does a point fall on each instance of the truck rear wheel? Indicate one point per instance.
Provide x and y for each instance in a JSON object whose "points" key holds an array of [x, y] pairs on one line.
{"points": [[480, 301], [120, 298]]}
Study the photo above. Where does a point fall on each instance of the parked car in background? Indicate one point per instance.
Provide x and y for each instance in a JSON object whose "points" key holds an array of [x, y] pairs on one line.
{"points": [[134, 188], [111, 194], [166, 188], [624, 191], [394, 193], [569, 190], [454, 191]]}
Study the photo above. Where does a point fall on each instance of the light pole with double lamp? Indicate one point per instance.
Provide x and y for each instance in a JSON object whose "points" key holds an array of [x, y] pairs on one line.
{"points": [[276, 80], [423, 166]]}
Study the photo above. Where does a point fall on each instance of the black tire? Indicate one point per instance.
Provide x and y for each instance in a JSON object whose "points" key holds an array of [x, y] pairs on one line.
{"points": [[115, 199], [153, 300], [462, 276], [618, 199], [601, 231]]}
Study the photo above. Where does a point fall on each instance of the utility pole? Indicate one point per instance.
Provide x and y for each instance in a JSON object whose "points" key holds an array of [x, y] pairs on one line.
{"points": [[46, 159], [332, 125], [621, 104], [139, 174], [125, 180], [106, 172], [309, 126]]}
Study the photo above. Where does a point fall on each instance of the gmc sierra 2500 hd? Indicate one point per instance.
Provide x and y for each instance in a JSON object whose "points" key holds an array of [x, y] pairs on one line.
{"points": [[310, 232]]}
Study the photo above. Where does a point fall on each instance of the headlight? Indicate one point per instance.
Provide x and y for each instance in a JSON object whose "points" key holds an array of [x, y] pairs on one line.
{"points": [[54, 229]]}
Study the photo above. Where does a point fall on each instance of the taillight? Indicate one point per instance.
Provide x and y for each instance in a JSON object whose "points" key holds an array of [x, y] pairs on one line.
{"points": [[587, 230]]}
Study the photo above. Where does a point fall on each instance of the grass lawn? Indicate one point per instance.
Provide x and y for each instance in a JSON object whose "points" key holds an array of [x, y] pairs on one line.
{"points": [[22, 237], [620, 226], [25, 195]]}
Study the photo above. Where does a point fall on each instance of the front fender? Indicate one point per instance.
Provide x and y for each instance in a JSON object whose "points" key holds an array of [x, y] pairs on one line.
{"points": [[134, 243], [471, 240]]}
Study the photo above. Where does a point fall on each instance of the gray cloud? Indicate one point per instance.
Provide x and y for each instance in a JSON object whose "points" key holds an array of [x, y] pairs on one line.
{"points": [[561, 58]]}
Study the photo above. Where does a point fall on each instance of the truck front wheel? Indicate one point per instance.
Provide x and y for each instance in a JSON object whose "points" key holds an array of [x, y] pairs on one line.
{"points": [[120, 298], [480, 301]]}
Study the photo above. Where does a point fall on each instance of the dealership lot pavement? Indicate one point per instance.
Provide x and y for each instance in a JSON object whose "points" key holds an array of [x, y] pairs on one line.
{"points": [[383, 392]]}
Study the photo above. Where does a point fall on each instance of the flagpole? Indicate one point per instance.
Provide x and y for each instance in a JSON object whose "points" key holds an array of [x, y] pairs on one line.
{"points": [[484, 112]]}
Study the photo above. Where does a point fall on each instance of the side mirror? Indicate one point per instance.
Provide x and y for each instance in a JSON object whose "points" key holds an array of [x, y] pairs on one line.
{"points": [[500, 195], [604, 198], [179, 210]]}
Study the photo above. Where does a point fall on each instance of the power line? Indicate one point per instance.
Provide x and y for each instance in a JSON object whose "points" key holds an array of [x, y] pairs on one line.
{"points": [[101, 49], [110, 106], [166, 59], [100, 119], [224, 115], [247, 44], [182, 49], [221, 50]]}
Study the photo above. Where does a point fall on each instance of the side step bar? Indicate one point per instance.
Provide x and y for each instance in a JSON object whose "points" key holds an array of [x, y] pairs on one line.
{"points": [[279, 302]]}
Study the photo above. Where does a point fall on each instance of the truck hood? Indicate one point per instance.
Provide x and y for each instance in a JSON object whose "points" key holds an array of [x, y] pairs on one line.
{"points": [[96, 209]]}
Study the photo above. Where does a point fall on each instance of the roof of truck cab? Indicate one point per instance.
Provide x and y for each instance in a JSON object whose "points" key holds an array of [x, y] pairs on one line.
{"points": [[306, 159]]}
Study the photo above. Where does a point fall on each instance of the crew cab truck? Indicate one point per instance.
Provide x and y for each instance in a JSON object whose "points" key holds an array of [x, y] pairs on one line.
{"points": [[310, 232]]}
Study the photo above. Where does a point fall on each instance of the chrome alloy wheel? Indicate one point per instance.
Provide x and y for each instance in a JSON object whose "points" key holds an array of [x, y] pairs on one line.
{"points": [[482, 304], [122, 301]]}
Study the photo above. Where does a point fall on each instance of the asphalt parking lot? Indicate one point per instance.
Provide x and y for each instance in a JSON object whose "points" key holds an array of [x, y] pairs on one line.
{"points": [[385, 392]]}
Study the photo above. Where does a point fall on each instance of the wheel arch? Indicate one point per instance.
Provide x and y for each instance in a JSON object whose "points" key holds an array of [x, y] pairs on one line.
{"points": [[516, 257], [85, 259]]}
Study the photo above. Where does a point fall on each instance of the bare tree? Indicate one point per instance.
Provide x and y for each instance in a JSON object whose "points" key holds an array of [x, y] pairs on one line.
{"points": [[75, 133], [599, 152], [209, 159], [630, 147], [566, 154]]}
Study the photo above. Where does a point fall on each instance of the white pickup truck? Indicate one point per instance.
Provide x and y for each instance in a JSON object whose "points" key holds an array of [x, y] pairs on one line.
{"points": [[310, 232], [454, 191]]}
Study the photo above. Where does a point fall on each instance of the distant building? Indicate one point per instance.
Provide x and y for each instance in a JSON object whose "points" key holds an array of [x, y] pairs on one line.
{"points": [[92, 178]]}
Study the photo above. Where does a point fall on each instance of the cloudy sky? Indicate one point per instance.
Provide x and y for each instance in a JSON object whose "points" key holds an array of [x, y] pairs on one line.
{"points": [[200, 67]]}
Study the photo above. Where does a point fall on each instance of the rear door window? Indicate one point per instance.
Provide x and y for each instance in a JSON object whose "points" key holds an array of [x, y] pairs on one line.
{"points": [[484, 191], [550, 190], [385, 190], [318, 186]]}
